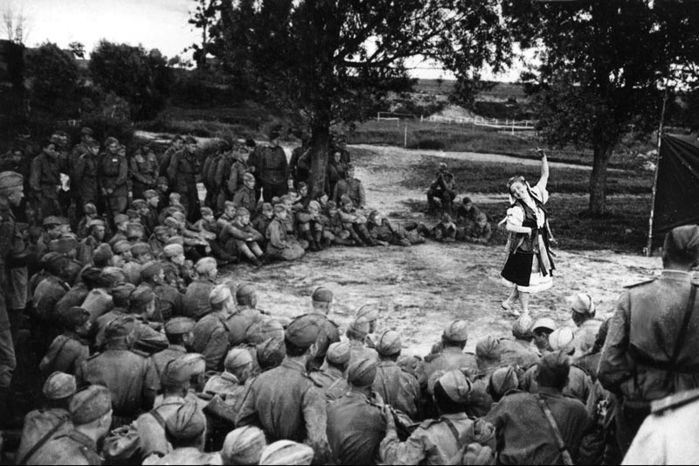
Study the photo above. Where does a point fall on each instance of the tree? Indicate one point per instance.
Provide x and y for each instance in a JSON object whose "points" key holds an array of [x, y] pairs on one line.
{"points": [[203, 17], [53, 80], [323, 62], [142, 78], [604, 68], [77, 49], [15, 24]]}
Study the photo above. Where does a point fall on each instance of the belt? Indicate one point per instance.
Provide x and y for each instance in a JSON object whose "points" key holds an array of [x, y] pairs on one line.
{"points": [[640, 357]]}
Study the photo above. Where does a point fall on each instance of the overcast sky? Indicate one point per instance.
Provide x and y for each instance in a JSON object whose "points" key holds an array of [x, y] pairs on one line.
{"points": [[160, 24]]}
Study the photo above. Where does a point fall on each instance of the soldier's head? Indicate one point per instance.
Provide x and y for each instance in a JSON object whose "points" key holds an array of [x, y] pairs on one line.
{"points": [[87, 135], [242, 215], [51, 150], [314, 208], [681, 248], [179, 331], [76, 320], [488, 353], [286, 452], [174, 253], [346, 203], [190, 144], [186, 427], [246, 295], [152, 198], [121, 222], [243, 446], [91, 411], [338, 356], [503, 381], [582, 308], [142, 252], [267, 210], [370, 314], [221, 299], [302, 189], [97, 229], [270, 353], [229, 209], [389, 345], [178, 142], [239, 363], [175, 199], [274, 134], [112, 145], [362, 373], [350, 172], [541, 330], [522, 328], [456, 334], [142, 302], [337, 157], [280, 211], [12, 187], [301, 335], [249, 180], [93, 148], [552, 370], [163, 184], [58, 390], [141, 206], [451, 392], [153, 273]]}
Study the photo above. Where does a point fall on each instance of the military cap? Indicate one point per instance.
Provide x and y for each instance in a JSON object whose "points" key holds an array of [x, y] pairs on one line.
{"points": [[90, 276], [247, 176], [162, 180], [206, 265], [555, 364], [171, 222], [179, 326], [243, 445], [90, 208], [10, 180], [206, 211], [110, 276], [54, 262], [189, 139], [172, 250], [581, 303], [267, 207], [51, 221], [195, 363], [229, 204], [219, 294], [178, 215], [121, 246], [241, 212], [236, 358], [562, 339], [151, 269], [150, 193], [487, 349], [274, 132], [455, 385], [140, 248], [503, 380], [141, 296], [177, 239], [546, 323], [271, 352], [111, 140], [358, 329], [95, 222], [121, 327], [86, 131], [286, 451], [160, 230], [362, 373], [63, 245], [134, 229], [90, 404], [388, 343], [74, 317], [244, 291], [303, 331], [682, 243], [187, 423], [345, 199], [59, 386], [264, 329], [332, 205], [121, 294], [522, 328], [338, 353], [120, 218], [367, 312], [103, 253], [322, 295], [279, 208], [457, 331], [139, 203], [176, 373]]}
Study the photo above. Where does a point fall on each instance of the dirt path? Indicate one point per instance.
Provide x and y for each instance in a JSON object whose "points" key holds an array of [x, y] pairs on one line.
{"points": [[422, 288]]}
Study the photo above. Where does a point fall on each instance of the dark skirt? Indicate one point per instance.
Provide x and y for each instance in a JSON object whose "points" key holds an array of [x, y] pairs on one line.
{"points": [[518, 268]]}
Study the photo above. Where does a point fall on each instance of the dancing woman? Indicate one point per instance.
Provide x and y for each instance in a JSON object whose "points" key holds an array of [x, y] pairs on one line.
{"points": [[529, 263]]}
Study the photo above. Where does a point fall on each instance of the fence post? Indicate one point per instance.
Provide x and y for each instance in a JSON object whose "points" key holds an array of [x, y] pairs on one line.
{"points": [[405, 136]]}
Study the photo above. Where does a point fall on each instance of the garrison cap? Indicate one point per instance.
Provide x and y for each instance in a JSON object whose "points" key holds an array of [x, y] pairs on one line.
{"points": [[189, 139], [151, 269], [178, 214], [229, 205], [267, 207], [111, 140], [175, 373], [187, 423], [54, 262], [362, 373], [90, 404], [171, 222], [455, 385], [111, 276], [522, 328], [544, 323], [139, 203], [244, 291], [74, 317], [121, 327], [59, 386], [271, 352], [243, 445], [219, 294], [64, 244], [241, 212], [358, 329], [95, 222], [338, 353], [121, 246], [176, 239], [51, 221], [368, 312], [141, 296], [247, 176], [457, 331], [236, 358], [120, 218], [121, 294], [140, 248], [504, 380], [322, 295], [10, 180], [206, 265], [264, 329], [195, 362], [103, 253], [206, 211], [172, 250], [286, 452], [90, 208], [562, 339], [160, 229], [86, 131], [683, 242], [388, 343], [279, 208], [149, 193], [582, 303], [302, 331], [134, 229], [179, 325], [487, 349]]}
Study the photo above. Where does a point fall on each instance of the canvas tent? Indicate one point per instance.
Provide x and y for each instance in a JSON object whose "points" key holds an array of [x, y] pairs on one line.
{"points": [[677, 190]]}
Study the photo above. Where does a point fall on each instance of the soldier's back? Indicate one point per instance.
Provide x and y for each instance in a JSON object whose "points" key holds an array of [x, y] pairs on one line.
{"points": [[70, 448], [397, 388], [516, 353], [37, 425], [452, 358], [355, 429]]}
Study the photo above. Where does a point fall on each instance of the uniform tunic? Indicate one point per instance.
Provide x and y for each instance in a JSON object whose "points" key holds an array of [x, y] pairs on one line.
{"points": [[356, 427], [397, 388]]}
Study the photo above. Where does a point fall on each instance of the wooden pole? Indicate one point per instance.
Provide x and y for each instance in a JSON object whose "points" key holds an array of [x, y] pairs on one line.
{"points": [[649, 245], [405, 135]]}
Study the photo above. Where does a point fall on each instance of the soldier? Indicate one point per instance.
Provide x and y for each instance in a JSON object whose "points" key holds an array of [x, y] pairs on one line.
{"points": [[450, 354], [91, 414], [53, 419], [287, 452], [113, 177], [169, 300], [236, 178], [241, 321], [321, 304], [270, 167], [121, 225], [284, 401], [357, 333], [158, 240], [195, 302], [230, 384], [211, 331], [518, 351], [182, 172], [208, 173], [245, 196], [129, 377], [45, 180], [547, 428], [186, 430], [647, 354], [179, 333], [356, 424], [270, 353], [246, 238], [176, 145], [437, 441], [396, 387], [47, 294], [279, 244], [442, 188], [243, 445], [480, 233], [86, 251], [541, 330], [336, 171], [351, 187], [262, 220], [583, 314], [69, 350], [331, 376], [84, 176]]}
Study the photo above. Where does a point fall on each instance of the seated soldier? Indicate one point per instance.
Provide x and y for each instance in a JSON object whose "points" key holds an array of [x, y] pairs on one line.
{"points": [[479, 232], [383, 230], [467, 213], [335, 229], [351, 187], [68, 350], [246, 237], [444, 231], [310, 225], [355, 223], [210, 228], [245, 196], [279, 244], [443, 189], [262, 220]]}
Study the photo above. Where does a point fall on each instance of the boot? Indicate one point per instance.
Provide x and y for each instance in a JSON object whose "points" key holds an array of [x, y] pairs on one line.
{"points": [[356, 238], [311, 241], [365, 235], [318, 239]]}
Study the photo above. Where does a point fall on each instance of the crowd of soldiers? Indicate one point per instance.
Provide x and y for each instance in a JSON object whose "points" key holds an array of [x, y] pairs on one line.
{"points": [[143, 355]]}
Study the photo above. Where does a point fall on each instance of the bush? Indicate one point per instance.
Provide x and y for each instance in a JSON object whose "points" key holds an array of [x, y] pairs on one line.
{"points": [[53, 81]]}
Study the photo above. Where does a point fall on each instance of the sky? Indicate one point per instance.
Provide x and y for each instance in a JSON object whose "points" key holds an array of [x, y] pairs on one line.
{"points": [[160, 24]]}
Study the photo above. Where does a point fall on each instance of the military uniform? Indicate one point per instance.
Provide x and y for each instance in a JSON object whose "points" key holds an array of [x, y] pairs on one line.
{"points": [[271, 171], [211, 339], [66, 354], [241, 325], [235, 181], [327, 335], [359, 351], [161, 358], [397, 388], [356, 426], [514, 352], [451, 357], [151, 427], [44, 180], [37, 425], [182, 173], [579, 386], [279, 244], [331, 380], [585, 336], [352, 188], [245, 197], [84, 179], [637, 357], [195, 302], [144, 173], [113, 180], [72, 447], [145, 339]]}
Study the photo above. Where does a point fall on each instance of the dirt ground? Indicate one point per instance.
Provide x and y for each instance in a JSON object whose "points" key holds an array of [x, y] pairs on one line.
{"points": [[420, 289]]}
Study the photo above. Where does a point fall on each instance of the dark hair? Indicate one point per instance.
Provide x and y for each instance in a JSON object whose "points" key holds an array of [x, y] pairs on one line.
{"points": [[445, 404], [553, 370], [293, 350]]}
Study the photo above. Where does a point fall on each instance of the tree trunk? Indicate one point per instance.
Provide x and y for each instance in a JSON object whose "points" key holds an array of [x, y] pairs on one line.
{"points": [[598, 179], [320, 139]]}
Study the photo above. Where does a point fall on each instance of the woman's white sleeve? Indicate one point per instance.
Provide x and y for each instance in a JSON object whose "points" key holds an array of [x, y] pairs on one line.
{"points": [[541, 193], [515, 216]]}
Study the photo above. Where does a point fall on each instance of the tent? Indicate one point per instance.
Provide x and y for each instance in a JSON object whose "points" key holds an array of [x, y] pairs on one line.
{"points": [[676, 199]]}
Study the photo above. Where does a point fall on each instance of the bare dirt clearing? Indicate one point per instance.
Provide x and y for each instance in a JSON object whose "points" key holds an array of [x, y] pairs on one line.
{"points": [[421, 288]]}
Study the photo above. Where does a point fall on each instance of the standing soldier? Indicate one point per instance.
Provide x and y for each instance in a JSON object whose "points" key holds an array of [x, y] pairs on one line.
{"points": [[235, 177], [45, 180], [113, 177], [176, 146], [182, 173], [208, 173], [84, 175], [87, 140], [143, 168], [651, 350], [271, 167], [245, 196]]}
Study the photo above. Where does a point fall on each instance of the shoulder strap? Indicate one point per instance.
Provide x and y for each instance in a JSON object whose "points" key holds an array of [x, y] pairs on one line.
{"points": [[41, 442], [453, 429], [681, 336], [567, 459], [158, 417]]}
